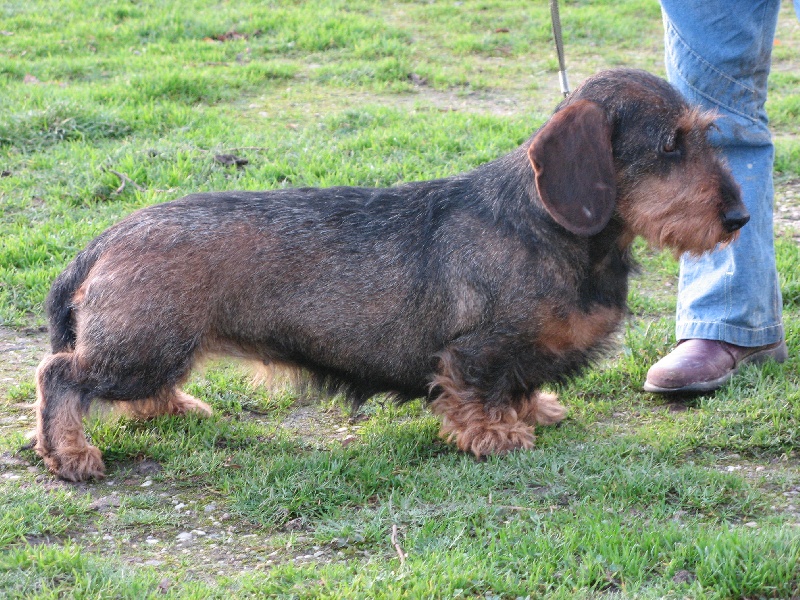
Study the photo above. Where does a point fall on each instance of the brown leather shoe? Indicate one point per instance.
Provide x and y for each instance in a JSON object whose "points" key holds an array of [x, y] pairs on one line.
{"points": [[704, 365]]}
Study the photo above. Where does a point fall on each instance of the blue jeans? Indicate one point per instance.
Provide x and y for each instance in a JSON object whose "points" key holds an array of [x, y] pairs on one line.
{"points": [[718, 55]]}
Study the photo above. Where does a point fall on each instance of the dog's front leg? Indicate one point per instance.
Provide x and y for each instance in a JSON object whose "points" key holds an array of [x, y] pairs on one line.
{"points": [[482, 426]]}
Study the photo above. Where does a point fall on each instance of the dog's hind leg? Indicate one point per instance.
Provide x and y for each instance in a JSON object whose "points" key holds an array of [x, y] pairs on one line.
{"points": [[60, 437]]}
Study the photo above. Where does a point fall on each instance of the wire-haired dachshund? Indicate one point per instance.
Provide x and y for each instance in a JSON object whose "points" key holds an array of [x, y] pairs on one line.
{"points": [[472, 291]]}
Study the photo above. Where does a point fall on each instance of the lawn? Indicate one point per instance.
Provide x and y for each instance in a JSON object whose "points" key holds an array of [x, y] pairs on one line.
{"points": [[107, 107]]}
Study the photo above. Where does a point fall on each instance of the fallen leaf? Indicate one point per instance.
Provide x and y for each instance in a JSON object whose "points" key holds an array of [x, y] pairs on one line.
{"points": [[684, 576], [231, 160], [230, 35], [294, 524]]}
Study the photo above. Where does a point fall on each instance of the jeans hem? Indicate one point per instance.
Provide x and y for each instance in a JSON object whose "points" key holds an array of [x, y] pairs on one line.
{"points": [[739, 336]]}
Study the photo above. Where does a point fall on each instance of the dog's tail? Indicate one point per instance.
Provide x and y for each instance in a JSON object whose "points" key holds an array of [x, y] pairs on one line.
{"points": [[59, 304]]}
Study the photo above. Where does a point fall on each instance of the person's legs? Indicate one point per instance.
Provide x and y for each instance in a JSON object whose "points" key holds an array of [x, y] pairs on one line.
{"points": [[729, 303]]}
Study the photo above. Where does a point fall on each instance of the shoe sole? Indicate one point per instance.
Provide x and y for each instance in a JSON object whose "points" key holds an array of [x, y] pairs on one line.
{"points": [[779, 354]]}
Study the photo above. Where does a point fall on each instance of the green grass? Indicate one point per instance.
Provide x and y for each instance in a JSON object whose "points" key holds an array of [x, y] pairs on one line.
{"points": [[633, 496]]}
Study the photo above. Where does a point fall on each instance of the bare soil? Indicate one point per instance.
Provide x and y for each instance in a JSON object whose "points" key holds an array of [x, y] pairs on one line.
{"points": [[787, 208]]}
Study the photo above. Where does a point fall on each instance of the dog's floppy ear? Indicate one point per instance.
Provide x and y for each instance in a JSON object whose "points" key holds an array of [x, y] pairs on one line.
{"points": [[571, 157]]}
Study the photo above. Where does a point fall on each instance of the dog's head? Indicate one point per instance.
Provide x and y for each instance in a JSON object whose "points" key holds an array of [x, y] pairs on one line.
{"points": [[626, 142]]}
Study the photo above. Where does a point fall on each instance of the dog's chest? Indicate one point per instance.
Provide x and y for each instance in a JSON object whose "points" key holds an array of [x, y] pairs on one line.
{"points": [[587, 321], [575, 330]]}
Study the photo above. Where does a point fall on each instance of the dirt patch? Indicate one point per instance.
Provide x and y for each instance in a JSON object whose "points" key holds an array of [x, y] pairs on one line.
{"points": [[787, 209], [20, 353], [149, 522], [318, 425]]}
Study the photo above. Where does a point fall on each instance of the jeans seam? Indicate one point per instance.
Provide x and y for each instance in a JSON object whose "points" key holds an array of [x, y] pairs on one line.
{"points": [[763, 29], [708, 65], [728, 297]]}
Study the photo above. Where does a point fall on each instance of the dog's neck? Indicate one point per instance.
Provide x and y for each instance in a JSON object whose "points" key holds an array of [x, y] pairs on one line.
{"points": [[605, 282]]}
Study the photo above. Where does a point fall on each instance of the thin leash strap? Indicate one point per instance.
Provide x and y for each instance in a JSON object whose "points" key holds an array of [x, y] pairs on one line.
{"points": [[562, 67]]}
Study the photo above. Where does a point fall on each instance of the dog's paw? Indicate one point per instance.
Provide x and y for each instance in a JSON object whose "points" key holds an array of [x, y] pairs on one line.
{"points": [[485, 441], [75, 464], [182, 403], [543, 409], [175, 402], [483, 430]]}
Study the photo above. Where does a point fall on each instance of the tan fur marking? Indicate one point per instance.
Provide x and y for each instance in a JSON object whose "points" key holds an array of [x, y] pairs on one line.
{"points": [[79, 295], [479, 429], [696, 119], [690, 221], [666, 224], [578, 330]]}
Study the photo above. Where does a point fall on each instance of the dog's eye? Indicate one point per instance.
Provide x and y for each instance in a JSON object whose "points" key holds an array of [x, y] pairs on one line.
{"points": [[670, 147]]}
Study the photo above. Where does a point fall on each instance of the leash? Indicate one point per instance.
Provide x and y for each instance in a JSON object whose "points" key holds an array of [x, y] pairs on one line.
{"points": [[562, 67]]}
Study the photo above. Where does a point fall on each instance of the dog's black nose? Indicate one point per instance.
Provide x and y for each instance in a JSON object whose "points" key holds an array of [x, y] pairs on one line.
{"points": [[735, 219]]}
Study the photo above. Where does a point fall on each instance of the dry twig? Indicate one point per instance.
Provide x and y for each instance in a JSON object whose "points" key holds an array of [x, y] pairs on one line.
{"points": [[397, 547], [125, 180]]}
